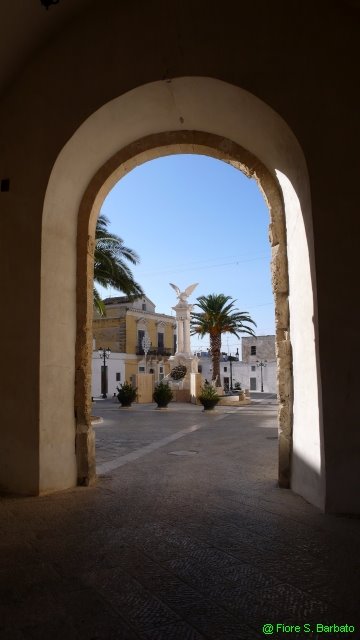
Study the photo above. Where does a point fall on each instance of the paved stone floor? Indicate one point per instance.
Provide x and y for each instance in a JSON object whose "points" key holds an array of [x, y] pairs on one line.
{"points": [[185, 537]]}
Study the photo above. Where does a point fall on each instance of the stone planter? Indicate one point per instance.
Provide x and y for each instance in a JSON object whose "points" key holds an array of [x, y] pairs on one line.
{"points": [[209, 405]]}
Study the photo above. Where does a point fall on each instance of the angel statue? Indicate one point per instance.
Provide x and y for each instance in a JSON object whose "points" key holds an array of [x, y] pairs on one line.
{"points": [[183, 295]]}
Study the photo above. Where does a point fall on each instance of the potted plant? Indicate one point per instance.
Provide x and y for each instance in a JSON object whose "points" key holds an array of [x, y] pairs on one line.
{"points": [[208, 397], [126, 394], [162, 394]]}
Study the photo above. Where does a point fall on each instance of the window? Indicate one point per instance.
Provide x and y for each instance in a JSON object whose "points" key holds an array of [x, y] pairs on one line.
{"points": [[143, 306], [253, 351], [141, 335], [199, 368], [253, 368], [161, 369], [141, 369], [160, 340], [225, 369], [118, 377]]}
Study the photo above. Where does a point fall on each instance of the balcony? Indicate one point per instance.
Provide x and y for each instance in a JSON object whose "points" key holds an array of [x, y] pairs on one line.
{"points": [[155, 351]]}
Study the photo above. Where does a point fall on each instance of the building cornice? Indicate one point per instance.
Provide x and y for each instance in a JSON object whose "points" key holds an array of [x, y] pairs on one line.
{"points": [[158, 317]]}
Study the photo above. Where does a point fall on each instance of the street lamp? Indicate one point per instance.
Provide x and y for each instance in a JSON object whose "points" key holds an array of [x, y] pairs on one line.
{"points": [[146, 344], [261, 364], [232, 359], [104, 354]]}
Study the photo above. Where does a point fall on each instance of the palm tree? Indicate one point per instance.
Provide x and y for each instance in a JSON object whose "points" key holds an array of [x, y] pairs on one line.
{"points": [[110, 268], [218, 316]]}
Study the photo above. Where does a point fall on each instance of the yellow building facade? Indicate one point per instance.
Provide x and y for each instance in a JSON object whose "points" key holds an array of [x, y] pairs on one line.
{"points": [[123, 329]]}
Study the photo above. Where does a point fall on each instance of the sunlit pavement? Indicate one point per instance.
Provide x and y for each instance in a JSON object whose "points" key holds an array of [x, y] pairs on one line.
{"points": [[185, 536]]}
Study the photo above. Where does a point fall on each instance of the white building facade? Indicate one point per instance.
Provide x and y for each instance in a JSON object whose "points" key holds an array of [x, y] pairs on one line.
{"points": [[115, 372], [256, 371]]}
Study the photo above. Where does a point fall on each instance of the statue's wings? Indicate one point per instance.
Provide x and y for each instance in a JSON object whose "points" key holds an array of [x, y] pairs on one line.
{"points": [[190, 289], [175, 287]]}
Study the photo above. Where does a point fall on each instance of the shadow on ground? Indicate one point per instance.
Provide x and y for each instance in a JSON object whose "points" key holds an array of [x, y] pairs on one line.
{"points": [[177, 547]]}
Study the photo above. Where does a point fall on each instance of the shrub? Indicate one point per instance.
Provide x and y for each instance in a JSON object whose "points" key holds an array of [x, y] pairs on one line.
{"points": [[208, 396], [126, 394], [162, 394]]}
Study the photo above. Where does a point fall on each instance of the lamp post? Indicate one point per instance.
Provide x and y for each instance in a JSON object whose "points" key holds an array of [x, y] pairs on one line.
{"points": [[261, 364], [146, 344], [232, 359], [104, 354]]}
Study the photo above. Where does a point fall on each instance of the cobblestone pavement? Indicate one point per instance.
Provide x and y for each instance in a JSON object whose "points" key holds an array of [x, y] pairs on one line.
{"points": [[185, 537]]}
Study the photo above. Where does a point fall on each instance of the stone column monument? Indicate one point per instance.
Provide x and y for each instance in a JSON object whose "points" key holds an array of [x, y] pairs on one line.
{"points": [[183, 355], [183, 309]]}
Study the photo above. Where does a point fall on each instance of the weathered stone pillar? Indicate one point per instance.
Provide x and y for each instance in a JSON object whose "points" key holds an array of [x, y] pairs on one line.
{"points": [[187, 347], [183, 311], [180, 332]]}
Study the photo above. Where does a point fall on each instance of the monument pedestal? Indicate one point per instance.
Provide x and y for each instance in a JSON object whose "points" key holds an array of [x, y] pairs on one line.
{"points": [[181, 388], [181, 395]]}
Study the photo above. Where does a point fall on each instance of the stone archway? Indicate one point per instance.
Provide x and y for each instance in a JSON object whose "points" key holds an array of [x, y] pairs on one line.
{"points": [[144, 150], [199, 115]]}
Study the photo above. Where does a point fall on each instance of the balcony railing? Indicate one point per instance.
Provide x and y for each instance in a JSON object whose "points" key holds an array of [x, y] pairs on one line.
{"points": [[155, 351]]}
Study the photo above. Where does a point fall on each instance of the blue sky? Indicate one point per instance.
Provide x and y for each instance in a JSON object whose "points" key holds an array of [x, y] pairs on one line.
{"points": [[193, 219]]}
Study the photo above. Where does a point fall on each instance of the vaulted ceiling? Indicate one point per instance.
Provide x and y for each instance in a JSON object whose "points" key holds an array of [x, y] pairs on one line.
{"points": [[26, 26]]}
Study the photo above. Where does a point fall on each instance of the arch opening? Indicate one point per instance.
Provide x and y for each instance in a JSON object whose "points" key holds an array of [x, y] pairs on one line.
{"points": [[127, 159], [279, 168]]}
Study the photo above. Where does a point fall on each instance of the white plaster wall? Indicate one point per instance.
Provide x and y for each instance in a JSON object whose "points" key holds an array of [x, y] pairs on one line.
{"points": [[308, 450], [269, 376], [115, 364], [241, 372], [202, 104]]}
